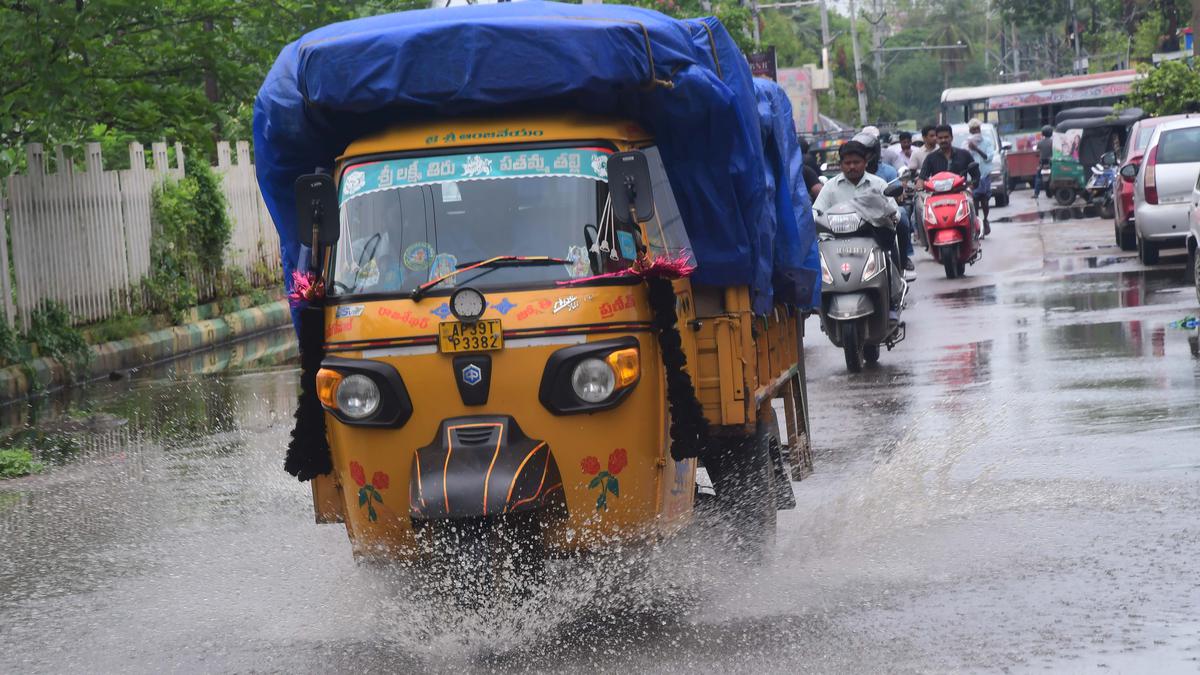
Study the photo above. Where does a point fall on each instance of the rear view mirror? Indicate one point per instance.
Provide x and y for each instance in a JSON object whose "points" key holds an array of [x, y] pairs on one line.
{"points": [[1129, 171], [1108, 159], [1006, 146], [317, 209], [629, 187], [893, 190], [973, 166]]}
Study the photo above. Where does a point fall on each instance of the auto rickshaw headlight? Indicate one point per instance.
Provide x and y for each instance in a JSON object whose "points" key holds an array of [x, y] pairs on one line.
{"points": [[357, 396], [590, 377], [593, 380]]}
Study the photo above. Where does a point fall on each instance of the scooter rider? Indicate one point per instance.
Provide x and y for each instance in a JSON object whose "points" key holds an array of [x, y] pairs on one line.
{"points": [[854, 181], [952, 159], [889, 173]]}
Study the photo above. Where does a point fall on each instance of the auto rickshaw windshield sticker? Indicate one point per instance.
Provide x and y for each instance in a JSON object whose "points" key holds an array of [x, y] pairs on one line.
{"points": [[580, 264], [443, 264], [418, 256], [362, 179], [605, 480]]}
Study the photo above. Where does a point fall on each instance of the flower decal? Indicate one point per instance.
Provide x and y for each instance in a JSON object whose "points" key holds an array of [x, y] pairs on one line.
{"points": [[368, 493], [605, 480]]}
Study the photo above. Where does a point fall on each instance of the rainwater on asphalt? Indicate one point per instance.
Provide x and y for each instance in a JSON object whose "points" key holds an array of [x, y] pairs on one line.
{"points": [[1015, 487]]}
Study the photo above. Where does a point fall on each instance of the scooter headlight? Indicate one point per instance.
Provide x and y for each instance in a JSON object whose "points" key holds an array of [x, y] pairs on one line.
{"points": [[826, 277], [875, 264], [357, 396]]}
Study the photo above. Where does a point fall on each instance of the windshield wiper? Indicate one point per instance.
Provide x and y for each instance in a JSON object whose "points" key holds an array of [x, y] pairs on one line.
{"points": [[498, 261]]}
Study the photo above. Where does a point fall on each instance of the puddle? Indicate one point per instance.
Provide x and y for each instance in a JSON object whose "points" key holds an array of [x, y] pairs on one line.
{"points": [[72, 410], [1056, 214]]}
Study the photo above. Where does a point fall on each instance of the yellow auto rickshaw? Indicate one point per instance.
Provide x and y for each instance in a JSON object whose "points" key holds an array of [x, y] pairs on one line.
{"points": [[461, 383], [502, 327]]}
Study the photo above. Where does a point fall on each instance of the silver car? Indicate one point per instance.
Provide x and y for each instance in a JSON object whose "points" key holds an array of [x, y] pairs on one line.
{"points": [[1162, 193], [1193, 238]]}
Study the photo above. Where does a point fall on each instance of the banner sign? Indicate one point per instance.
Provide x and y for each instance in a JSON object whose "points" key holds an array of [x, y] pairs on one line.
{"points": [[397, 173]]}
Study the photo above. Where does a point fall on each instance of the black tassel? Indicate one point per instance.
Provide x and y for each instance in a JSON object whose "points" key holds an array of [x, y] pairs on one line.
{"points": [[308, 452], [689, 428]]}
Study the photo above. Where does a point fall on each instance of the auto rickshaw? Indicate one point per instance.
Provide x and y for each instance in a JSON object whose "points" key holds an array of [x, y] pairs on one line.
{"points": [[1082, 136], [510, 339]]}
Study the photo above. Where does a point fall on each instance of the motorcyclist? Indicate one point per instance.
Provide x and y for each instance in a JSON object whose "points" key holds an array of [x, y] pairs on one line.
{"points": [[889, 174], [854, 183], [952, 159], [1045, 148]]}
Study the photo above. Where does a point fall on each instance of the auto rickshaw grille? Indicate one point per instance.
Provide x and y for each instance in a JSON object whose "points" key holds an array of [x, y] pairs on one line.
{"points": [[481, 435]]}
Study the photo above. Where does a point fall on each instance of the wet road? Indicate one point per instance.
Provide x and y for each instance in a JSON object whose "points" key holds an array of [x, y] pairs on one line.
{"points": [[1015, 488]]}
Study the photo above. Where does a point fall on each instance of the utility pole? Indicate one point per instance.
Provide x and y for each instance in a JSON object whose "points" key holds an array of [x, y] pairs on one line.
{"points": [[858, 79], [1016, 53], [754, 18], [825, 48], [1075, 38]]}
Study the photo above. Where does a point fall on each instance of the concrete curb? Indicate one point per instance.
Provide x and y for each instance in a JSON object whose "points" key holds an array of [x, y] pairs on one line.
{"points": [[43, 375]]}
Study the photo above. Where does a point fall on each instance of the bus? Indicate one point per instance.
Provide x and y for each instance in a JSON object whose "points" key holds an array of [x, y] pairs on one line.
{"points": [[1020, 109]]}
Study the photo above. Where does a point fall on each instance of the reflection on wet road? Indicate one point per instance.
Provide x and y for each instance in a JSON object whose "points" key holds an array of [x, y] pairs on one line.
{"points": [[1014, 487]]}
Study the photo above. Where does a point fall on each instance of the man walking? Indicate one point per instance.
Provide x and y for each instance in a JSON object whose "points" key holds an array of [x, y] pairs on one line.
{"points": [[982, 150]]}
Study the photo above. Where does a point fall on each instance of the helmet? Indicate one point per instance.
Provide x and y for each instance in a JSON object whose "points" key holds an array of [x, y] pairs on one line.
{"points": [[1047, 131], [870, 144]]}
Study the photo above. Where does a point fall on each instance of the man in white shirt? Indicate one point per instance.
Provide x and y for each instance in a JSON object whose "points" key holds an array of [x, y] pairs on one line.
{"points": [[853, 180], [917, 157]]}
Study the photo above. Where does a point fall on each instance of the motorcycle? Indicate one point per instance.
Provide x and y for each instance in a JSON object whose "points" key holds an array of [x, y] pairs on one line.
{"points": [[951, 225], [1100, 185], [864, 280]]}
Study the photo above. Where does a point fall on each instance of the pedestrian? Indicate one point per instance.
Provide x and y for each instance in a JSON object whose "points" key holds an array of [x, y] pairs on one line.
{"points": [[1045, 148], [981, 148]]}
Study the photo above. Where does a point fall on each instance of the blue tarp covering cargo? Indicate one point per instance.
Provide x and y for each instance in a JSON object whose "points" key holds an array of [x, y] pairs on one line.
{"points": [[797, 258], [684, 81]]}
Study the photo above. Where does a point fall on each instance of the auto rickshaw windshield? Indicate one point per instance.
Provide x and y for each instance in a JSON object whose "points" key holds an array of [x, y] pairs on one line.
{"points": [[406, 220]]}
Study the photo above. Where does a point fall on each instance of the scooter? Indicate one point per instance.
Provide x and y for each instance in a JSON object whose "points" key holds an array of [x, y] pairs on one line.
{"points": [[860, 279], [1100, 188], [951, 226]]}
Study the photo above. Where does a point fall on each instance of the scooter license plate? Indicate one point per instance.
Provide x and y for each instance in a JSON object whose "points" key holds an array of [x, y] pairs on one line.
{"points": [[484, 335]]}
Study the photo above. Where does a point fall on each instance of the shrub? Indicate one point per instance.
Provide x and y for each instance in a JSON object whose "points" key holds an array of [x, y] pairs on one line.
{"points": [[16, 462], [52, 329]]}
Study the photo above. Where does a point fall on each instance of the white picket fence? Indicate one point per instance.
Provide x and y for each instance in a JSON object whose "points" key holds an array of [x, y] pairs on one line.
{"points": [[83, 238]]}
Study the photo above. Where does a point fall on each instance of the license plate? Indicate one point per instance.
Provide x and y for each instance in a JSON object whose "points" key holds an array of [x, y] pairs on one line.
{"points": [[482, 336]]}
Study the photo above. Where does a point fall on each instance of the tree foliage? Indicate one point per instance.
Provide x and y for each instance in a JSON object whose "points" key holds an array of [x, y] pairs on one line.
{"points": [[185, 70], [1169, 89]]}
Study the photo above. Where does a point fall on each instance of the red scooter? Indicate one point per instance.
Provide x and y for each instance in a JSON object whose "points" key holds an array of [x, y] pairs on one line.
{"points": [[952, 229]]}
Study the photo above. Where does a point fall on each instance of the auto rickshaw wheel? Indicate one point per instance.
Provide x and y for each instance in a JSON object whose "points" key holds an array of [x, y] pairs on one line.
{"points": [[742, 475], [1064, 196]]}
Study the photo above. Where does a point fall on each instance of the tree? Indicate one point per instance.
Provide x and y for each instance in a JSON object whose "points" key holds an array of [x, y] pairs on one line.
{"points": [[1171, 88], [186, 70]]}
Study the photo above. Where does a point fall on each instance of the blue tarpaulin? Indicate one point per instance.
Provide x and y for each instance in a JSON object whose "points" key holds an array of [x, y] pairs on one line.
{"points": [[797, 259], [684, 81]]}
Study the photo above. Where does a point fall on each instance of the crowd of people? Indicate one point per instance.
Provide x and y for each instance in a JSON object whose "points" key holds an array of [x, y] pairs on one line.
{"points": [[870, 161]]}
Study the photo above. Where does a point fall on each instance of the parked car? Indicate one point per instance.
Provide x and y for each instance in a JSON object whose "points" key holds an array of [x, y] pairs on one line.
{"points": [[1000, 165], [1135, 149], [1193, 238], [1162, 191]]}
